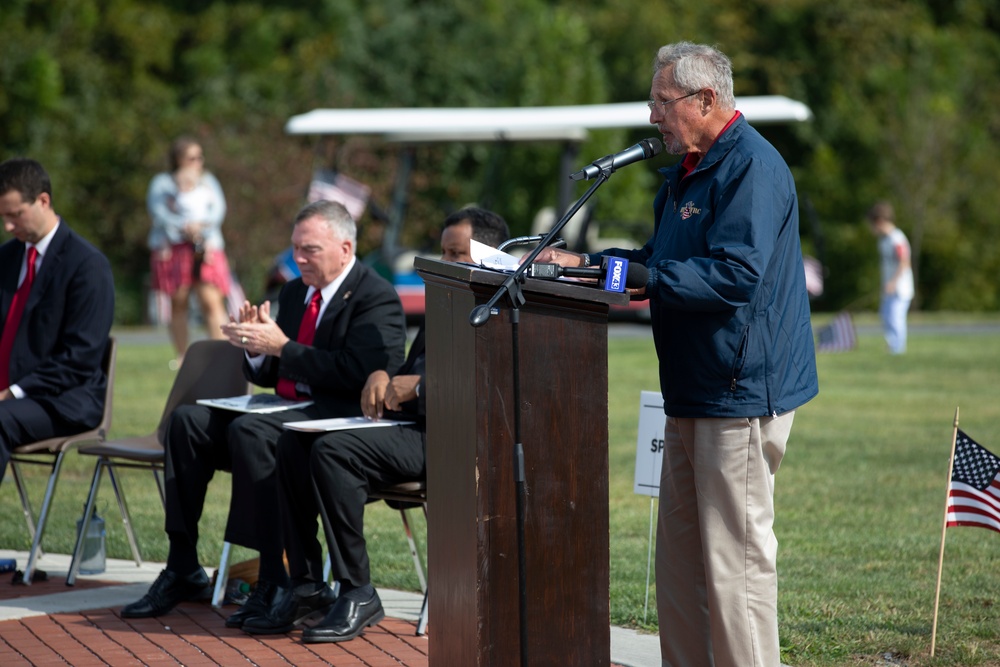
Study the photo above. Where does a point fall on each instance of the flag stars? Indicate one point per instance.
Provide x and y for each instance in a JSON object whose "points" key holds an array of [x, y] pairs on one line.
{"points": [[974, 465]]}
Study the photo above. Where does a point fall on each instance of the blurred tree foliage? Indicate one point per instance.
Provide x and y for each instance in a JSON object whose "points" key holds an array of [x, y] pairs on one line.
{"points": [[96, 89]]}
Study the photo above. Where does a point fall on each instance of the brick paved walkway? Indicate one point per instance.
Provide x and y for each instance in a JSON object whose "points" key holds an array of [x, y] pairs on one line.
{"points": [[193, 635], [49, 623]]}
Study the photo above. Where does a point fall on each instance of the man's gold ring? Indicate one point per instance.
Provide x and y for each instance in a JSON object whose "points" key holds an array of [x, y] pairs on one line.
{"points": [[244, 340]]}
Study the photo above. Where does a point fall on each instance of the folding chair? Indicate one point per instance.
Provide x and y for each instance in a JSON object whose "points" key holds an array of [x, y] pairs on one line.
{"points": [[211, 369], [404, 496], [51, 452]]}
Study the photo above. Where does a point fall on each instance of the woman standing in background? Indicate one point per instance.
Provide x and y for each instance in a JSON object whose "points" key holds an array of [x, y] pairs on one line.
{"points": [[187, 208]]}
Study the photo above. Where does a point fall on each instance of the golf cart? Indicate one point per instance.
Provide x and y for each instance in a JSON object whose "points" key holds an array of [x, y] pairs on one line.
{"points": [[567, 125]]}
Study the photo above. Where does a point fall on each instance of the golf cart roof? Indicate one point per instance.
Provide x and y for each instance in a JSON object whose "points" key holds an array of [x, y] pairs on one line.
{"points": [[556, 123]]}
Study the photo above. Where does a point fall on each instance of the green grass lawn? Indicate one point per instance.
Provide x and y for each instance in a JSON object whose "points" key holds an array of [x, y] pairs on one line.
{"points": [[859, 497], [859, 500]]}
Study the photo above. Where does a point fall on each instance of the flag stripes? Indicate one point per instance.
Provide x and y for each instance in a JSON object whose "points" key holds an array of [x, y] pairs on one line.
{"points": [[838, 335], [974, 489]]}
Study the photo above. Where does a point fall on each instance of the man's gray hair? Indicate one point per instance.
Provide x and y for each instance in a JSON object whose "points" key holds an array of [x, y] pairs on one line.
{"points": [[697, 66], [336, 217]]}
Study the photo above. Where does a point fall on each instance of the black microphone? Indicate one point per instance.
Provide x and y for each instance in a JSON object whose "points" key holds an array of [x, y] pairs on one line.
{"points": [[611, 272], [646, 148]]}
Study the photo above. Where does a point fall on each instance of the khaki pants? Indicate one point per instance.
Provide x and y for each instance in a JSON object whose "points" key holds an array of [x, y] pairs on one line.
{"points": [[716, 576]]}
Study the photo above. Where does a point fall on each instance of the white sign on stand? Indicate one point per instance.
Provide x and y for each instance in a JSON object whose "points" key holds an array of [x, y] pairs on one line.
{"points": [[648, 462], [649, 444]]}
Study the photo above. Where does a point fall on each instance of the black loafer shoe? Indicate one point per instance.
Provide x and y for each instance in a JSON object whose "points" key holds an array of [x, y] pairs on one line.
{"points": [[289, 608], [256, 605], [345, 621], [169, 590]]}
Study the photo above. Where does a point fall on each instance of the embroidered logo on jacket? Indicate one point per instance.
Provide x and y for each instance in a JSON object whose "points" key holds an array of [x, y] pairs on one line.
{"points": [[688, 210]]}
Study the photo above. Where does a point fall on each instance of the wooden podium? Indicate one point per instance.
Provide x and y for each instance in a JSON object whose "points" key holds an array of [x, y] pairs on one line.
{"points": [[472, 536]]}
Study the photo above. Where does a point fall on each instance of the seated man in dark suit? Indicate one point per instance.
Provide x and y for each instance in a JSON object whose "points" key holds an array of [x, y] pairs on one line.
{"points": [[335, 326], [57, 302], [333, 473]]}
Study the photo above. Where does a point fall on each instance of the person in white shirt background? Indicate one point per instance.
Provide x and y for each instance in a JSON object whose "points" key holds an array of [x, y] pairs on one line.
{"points": [[896, 283]]}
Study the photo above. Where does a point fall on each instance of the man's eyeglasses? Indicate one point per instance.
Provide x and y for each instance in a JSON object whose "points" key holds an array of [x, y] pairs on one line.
{"points": [[653, 103]]}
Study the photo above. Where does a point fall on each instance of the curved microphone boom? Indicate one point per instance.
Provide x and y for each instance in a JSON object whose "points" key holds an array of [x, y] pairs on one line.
{"points": [[512, 285], [524, 240], [646, 148]]}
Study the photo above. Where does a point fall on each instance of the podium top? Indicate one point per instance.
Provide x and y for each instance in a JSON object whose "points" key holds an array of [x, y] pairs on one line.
{"points": [[487, 281]]}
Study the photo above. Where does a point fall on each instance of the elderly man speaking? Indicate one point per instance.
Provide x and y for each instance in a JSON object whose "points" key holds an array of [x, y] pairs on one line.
{"points": [[730, 317]]}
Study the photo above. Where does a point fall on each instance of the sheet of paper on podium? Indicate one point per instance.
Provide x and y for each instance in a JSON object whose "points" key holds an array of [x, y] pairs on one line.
{"points": [[340, 424], [649, 444], [491, 258], [256, 403]]}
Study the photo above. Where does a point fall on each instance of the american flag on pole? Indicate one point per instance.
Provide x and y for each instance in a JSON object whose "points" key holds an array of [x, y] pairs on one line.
{"points": [[974, 490], [838, 335], [341, 189]]}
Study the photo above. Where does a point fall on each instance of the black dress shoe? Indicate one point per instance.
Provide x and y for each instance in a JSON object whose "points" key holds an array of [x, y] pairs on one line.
{"points": [[345, 621], [169, 590], [256, 605], [291, 606]]}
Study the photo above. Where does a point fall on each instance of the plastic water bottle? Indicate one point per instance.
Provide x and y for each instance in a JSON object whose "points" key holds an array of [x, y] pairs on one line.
{"points": [[237, 591], [93, 556]]}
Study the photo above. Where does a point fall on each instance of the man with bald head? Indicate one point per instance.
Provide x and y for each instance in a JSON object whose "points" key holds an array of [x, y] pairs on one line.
{"points": [[730, 318]]}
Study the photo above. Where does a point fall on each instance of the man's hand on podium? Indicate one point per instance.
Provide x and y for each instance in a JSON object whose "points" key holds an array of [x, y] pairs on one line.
{"points": [[552, 255]]}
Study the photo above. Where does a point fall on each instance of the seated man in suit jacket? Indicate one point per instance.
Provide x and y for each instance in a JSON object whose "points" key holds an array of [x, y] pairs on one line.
{"points": [[335, 325], [55, 312], [333, 473]]}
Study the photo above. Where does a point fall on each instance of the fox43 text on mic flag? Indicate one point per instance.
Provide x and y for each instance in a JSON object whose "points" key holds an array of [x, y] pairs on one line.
{"points": [[974, 489], [617, 271]]}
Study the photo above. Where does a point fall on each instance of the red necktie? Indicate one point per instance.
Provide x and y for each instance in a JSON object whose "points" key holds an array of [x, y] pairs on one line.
{"points": [[14, 318], [307, 331]]}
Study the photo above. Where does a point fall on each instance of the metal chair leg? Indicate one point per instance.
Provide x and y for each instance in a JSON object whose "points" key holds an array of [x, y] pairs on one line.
{"points": [[159, 484], [123, 510], [22, 490], [43, 516], [88, 512], [327, 569], [422, 620], [221, 577], [414, 552]]}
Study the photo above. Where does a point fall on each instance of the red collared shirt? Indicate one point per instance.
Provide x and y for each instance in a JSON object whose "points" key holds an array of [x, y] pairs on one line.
{"points": [[691, 160]]}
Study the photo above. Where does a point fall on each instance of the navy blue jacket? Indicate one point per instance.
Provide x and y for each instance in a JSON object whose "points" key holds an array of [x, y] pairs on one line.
{"points": [[728, 301], [64, 330]]}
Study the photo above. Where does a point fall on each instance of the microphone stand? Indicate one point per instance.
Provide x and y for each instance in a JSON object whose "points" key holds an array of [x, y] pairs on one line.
{"points": [[512, 287]]}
